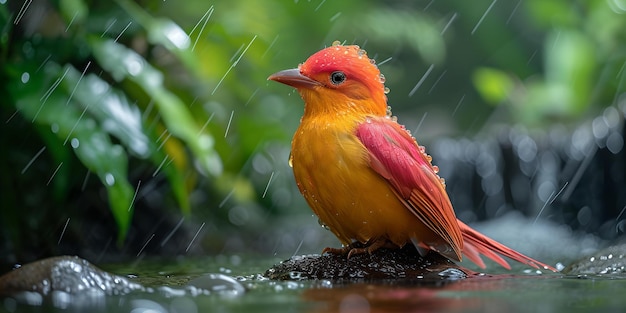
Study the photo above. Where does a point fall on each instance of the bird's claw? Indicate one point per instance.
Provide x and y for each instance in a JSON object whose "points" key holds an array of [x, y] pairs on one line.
{"points": [[358, 248]]}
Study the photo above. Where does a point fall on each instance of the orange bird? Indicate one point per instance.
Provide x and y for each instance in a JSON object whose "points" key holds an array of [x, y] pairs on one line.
{"points": [[363, 174]]}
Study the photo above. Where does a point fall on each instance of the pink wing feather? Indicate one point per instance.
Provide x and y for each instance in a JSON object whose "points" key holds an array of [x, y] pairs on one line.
{"points": [[395, 155]]}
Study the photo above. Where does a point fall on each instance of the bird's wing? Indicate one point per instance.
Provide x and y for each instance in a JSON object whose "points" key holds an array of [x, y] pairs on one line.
{"points": [[396, 156]]}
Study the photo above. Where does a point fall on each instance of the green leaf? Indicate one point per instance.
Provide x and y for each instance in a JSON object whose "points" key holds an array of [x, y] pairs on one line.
{"points": [[493, 85], [415, 29], [123, 63], [112, 110], [91, 144], [570, 64], [122, 119], [74, 11], [163, 31]]}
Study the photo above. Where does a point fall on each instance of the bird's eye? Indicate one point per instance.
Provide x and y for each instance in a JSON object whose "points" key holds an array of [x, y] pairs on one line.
{"points": [[337, 77]]}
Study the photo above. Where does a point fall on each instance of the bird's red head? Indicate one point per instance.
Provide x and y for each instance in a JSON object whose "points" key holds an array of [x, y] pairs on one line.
{"points": [[339, 70]]}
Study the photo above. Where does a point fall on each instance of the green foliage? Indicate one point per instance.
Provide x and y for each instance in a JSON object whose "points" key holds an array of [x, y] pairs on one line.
{"points": [[93, 116], [163, 93], [583, 50]]}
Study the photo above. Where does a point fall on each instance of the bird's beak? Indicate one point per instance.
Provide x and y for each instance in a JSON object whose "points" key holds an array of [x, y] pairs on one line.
{"points": [[293, 78]]}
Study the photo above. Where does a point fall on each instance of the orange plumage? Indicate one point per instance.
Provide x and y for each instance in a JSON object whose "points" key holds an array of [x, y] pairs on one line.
{"points": [[363, 174]]}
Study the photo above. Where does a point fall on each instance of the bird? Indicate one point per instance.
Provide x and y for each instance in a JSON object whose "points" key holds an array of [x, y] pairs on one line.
{"points": [[364, 175]]}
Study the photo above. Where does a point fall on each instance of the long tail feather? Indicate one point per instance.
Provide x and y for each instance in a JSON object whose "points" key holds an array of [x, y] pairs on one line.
{"points": [[475, 243]]}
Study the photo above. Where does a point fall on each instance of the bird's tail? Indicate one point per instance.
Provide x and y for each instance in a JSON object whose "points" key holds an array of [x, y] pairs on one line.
{"points": [[475, 244]]}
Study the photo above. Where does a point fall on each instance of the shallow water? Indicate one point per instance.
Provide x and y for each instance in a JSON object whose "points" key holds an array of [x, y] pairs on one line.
{"points": [[234, 284]]}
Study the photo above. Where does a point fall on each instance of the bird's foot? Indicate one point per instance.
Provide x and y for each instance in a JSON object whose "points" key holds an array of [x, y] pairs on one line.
{"points": [[358, 248]]}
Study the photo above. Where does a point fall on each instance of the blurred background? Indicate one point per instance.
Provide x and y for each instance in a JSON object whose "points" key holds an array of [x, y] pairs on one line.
{"points": [[134, 128]]}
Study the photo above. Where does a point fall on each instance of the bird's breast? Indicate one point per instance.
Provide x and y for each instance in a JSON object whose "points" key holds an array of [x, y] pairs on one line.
{"points": [[331, 167]]}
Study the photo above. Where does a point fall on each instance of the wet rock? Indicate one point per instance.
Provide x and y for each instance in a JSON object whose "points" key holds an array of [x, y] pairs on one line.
{"points": [[384, 264], [64, 274], [219, 284], [611, 261]]}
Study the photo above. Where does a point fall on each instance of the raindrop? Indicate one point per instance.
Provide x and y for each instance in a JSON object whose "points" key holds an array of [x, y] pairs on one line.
{"points": [[386, 90], [145, 245], [483, 17], [334, 17], [230, 194], [33, 159], [385, 61], [458, 105], [206, 15], [22, 11], [75, 143], [171, 233], [122, 32], [290, 161], [110, 24], [54, 173], [25, 77], [63, 231], [437, 81], [269, 181], [421, 81], [194, 237], [420, 125], [452, 274], [233, 65], [449, 23], [230, 120], [134, 196], [336, 43], [382, 78], [319, 5], [319, 221], [78, 82], [546, 190], [54, 128], [109, 179], [361, 52]]}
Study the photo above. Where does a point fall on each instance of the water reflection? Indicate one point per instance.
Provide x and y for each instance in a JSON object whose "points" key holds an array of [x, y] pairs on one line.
{"points": [[450, 296], [500, 293]]}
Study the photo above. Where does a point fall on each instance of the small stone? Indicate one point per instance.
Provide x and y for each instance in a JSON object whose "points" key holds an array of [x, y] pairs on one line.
{"points": [[404, 264]]}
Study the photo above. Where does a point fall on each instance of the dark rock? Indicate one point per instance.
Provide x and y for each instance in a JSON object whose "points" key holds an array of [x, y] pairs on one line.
{"points": [[71, 275], [609, 261], [384, 264]]}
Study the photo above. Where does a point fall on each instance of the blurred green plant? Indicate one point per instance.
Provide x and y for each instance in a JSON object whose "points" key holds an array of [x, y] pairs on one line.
{"points": [[91, 114], [583, 59], [157, 93]]}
